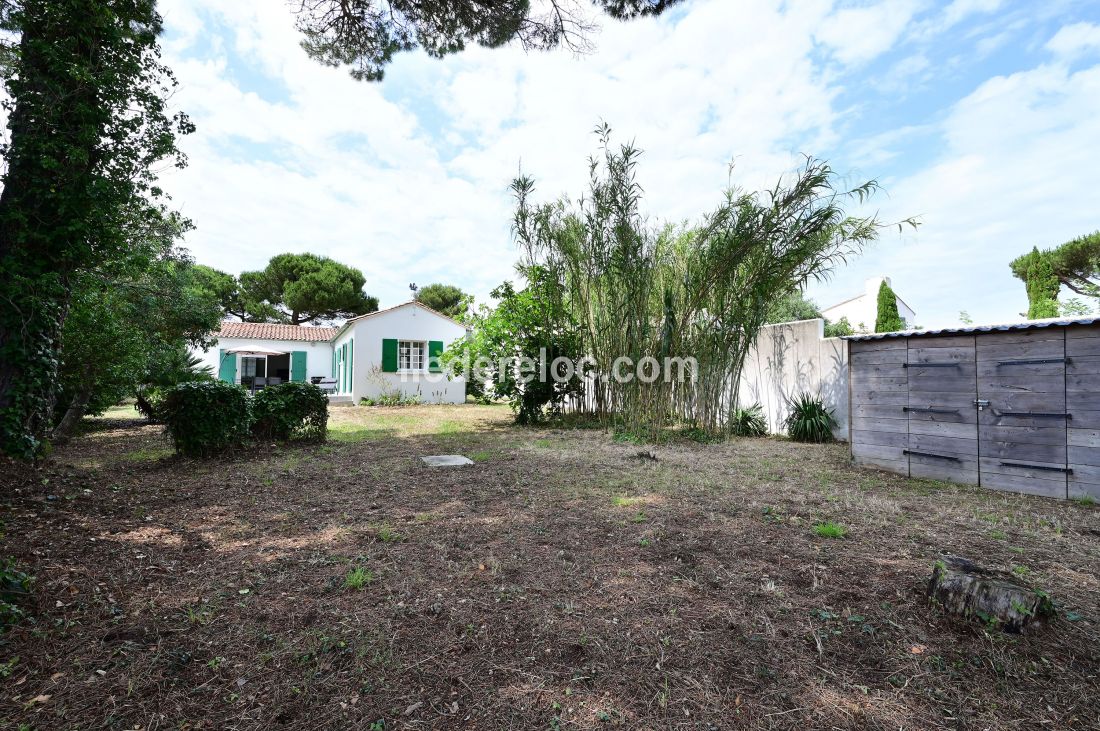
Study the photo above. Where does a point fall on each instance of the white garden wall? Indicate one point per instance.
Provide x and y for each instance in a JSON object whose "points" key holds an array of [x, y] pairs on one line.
{"points": [[795, 357]]}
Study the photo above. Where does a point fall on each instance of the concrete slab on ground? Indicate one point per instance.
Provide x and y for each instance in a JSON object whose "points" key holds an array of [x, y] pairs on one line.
{"points": [[446, 460]]}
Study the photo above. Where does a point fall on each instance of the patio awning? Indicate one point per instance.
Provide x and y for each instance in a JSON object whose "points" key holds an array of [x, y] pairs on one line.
{"points": [[255, 351]]}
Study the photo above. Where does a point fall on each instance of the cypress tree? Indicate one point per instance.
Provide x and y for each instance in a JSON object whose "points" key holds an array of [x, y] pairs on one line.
{"points": [[888, 319]]}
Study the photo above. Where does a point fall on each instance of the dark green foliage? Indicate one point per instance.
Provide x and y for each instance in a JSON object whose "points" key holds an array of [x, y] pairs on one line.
{"points": [[291, 410], [300, 288], [166, 368], [15, 586], [445, 299], [838, 329], [791, 307], [367, 34], [1075, 264], [810, 420], [888, 320], [749, 422], [85, 92], [522, 324], [206, 417], [1036, 270]]}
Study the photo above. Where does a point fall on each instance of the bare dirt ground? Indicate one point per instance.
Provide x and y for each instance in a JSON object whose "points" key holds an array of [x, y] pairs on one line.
{"points": [[562, 582]]}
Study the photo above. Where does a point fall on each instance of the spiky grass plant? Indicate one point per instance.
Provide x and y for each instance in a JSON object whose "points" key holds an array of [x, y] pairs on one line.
{"points": [[810, 420], [749, 422], [638, 289]]}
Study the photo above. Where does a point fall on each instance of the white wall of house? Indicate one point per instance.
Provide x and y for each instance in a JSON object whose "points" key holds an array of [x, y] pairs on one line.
{"points": [[318, 355], [862, 311], [792, 358], [405, 322]]}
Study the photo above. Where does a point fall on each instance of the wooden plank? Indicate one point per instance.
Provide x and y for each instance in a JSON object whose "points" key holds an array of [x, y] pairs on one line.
{"points": [[992, 417], [1076, 332], [868, 423], [942, 382], [1082, 456], [1012, 383], [1022, 372], [929, 399], [1021, 351], [898, 468], [1026, 485], [1014, 401], [941, 355], [943, 445], [877, 356], [1086, 472], [1053, 453], [965, 471], [877, 383], [888, 398], [994, 466], [1088, 382], [943, 429], [879, 438], [1083, 437], [1081, 400], [958, 370], [941, 341], [1084, 365], [965, 415], [879, 411], [878, 451], [1020, 336], [1084, 420], [1079, 489], [866, 346], [1024, 434], [1081, 346], [880, 370]]}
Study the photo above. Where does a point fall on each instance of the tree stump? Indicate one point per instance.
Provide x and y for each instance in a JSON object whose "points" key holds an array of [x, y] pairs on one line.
{"points": [[995, 597]]}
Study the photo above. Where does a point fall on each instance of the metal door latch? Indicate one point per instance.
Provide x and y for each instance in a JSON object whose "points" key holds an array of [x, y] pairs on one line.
{"points": [[981, 403]]}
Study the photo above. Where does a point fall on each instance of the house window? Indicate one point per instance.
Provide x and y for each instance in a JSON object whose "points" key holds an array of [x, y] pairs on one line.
{"points": [[410, 355]]}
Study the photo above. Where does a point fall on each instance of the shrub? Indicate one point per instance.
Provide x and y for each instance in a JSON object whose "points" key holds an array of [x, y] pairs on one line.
{"points": [[205, 417], [810, 420], [291, 410], [749, 422], [15, 585]]}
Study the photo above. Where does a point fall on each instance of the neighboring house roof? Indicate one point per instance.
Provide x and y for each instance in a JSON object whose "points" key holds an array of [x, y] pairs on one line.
{"points": [[397, 307], [861, 296], [275, 331], [1005, 327]]}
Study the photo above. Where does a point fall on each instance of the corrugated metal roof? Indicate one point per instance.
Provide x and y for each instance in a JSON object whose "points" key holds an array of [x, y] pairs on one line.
{"points": [[1004, 327]]}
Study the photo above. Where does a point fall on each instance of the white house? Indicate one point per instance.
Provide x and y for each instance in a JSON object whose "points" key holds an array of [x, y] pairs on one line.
{"points": [[862, 310], [389, 352]]}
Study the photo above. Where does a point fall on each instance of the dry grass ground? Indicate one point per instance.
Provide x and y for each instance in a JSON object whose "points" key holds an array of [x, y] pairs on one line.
{"points": [[562, 582]]}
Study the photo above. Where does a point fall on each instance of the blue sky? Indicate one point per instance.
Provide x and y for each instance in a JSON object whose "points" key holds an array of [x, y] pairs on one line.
{"points": [[979, 116]]}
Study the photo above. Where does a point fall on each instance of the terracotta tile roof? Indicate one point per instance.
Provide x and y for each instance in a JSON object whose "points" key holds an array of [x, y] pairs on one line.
{"points": [[272, 331]]}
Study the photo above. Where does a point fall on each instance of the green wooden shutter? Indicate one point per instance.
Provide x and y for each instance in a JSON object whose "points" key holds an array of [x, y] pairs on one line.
{"points": [[227, 366], [334, 362], [389, 355], [298, 365], [351, 363], [435, 352], [344, 365]]}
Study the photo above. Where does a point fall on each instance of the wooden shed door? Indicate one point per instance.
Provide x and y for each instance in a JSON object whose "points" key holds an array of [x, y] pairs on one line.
{"points": [[942, 424], [1022, 416]]}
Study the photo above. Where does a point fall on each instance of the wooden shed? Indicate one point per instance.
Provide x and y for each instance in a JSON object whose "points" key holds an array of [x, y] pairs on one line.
{"points": [[1010, 407]]}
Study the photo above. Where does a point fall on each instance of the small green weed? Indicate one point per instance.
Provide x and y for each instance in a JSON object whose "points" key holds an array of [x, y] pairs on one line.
{"points": [[829, 529], [357, 578]]}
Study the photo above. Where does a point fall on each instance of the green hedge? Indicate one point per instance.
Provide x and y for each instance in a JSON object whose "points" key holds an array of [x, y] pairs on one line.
{"points": [[291, 411], [206, 417]]}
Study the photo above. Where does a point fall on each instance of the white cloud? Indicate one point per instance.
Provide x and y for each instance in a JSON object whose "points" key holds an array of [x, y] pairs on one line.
{"points": [[1075, 39], [859, 34]]}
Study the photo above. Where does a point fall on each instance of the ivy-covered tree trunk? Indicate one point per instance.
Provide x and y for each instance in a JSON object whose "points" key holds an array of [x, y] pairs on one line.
{"points": [[48, 196], [85, 95]]}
